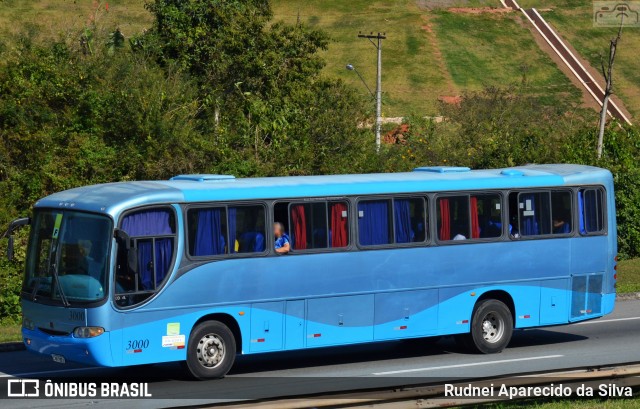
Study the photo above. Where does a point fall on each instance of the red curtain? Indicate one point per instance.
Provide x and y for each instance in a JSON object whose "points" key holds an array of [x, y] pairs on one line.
{"points": [[475, 225], [339, 236], [445, 220], [299, 222]]}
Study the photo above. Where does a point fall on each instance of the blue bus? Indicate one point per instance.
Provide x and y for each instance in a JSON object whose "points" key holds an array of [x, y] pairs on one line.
{"points": [[187, 270]]}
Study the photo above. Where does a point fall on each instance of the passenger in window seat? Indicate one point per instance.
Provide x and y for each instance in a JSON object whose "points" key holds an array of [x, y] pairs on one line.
{"points": [[282, 244], [560, 226]]}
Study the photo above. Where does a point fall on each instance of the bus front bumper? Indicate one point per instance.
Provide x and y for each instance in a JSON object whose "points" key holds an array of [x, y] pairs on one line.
{"points": [[90, 351]]}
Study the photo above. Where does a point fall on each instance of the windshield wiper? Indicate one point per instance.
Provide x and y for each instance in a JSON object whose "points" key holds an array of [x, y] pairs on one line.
{"points": [[63, 297]]}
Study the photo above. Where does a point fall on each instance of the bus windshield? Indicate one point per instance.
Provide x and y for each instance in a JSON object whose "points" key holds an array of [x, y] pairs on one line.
{"points": [[67, 256]]}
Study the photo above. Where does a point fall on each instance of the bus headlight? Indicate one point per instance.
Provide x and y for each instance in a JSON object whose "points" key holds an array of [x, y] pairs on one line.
{"points": [[88, 332]]}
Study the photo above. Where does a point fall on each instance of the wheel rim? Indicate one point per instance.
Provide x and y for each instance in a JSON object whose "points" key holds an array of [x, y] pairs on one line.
{"points": [[210, 351], [492, 327]]}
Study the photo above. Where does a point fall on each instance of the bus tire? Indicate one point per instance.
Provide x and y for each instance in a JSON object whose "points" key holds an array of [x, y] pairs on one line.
{"points": [[491, 327], [211, 350]]}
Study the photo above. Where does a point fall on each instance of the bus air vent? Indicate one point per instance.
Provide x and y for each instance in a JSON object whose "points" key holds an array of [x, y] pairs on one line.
{"points": [[203, 178], [512, 172], [442, 169]]}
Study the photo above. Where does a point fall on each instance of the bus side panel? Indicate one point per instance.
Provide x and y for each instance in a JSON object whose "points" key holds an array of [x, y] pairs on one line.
{"points": [[267, 326], [554, 301], [406, 314], [340, 320], [294, 324]]}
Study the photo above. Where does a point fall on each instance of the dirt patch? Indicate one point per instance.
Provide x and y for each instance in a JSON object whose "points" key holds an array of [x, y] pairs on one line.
{"points": [[478, 10], [437, 53], [396, 136], [450, 99]]}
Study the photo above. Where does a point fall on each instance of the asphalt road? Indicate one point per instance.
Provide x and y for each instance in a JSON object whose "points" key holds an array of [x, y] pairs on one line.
{"points": [[611, 340]]}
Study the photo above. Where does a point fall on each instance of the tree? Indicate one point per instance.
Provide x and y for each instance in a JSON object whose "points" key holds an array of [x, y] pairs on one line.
{"points": [[608, 89]]}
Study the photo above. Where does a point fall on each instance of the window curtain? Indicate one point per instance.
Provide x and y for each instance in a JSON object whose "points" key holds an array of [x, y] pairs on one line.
{"points": [[339, 232], [164, 254], [445, 220], [209, 240], [374, 223], [402, 215], [145, 267], [591, 206], [299, 221], [149, 223], [529, 223], [145, 224], [231, 226], [475, 224]]}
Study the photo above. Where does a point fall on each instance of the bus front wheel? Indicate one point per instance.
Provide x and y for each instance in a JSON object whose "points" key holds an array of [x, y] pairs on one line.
{"points": [[211, 350], [491, 327]]}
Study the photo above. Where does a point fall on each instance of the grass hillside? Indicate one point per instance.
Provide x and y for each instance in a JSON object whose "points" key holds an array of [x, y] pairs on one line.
{"points": [[573, 20], [432, 51]]}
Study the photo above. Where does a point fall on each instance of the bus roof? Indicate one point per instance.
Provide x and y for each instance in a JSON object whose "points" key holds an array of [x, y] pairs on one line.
{"points": [[113, 198]]}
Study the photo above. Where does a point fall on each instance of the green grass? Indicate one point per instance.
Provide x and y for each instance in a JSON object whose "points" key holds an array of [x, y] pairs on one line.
{"points": [[479, 54], [629, 276], [10, 333], [630, 403], [56, 18], [428, 51]]}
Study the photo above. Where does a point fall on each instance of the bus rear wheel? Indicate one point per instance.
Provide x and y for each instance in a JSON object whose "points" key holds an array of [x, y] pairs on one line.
{"points": [[211, 350], [491, 327]]}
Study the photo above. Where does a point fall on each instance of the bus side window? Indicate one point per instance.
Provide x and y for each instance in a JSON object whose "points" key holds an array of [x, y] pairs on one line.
{"points": [[247, 232], [153, 232], [561, 212], [591, 211], [534, 210], [486, 216], [410, 219], [318, 225], [374, 222], [453, 218], [207, 231]]}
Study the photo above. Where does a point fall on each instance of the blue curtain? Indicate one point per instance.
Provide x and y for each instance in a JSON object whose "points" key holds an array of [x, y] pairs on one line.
{"points": [[232, 229], [591, 211], [374, 223], [402, 215], [164, 254], [529, 223], [209, 239], [251, 242], [145, 267], [146, 224]]}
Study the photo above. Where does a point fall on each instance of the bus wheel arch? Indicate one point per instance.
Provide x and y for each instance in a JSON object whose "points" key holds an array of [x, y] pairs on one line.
{"points": [[212, 346], [227, 320], [499, 295], [492, 323]]}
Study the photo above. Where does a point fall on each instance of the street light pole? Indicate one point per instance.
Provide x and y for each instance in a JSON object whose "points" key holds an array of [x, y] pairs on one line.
{"points": [[350, 67], [378, 45]]}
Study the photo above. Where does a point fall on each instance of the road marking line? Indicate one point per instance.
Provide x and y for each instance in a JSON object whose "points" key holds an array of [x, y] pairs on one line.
{"points": [[21, 375], [434, 368], [611, 320]]}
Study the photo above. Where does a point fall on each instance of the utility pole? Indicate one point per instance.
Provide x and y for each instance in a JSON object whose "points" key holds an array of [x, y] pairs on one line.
{"points": [[379, 37]]}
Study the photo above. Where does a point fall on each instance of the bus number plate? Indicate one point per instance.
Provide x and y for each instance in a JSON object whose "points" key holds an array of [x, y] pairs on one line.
{"points": [[58, 358]]}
